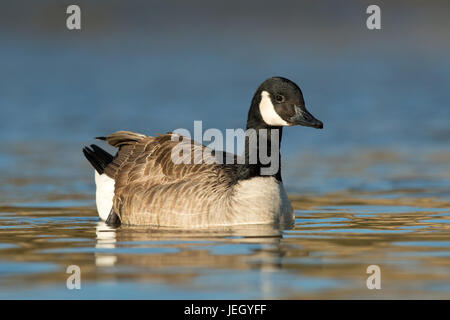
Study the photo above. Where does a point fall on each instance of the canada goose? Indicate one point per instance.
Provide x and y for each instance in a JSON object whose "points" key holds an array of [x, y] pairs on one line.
{"points": [[142, 185]]}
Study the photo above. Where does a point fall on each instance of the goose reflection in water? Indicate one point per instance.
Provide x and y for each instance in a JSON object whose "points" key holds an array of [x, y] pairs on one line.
{"points": [[176, 255]]}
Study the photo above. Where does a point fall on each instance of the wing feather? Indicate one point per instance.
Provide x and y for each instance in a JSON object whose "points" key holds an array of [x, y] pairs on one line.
{"points": [[150, 188]]}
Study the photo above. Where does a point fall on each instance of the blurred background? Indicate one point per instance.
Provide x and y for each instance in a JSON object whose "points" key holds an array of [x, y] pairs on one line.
{"points": [[154, 66]]}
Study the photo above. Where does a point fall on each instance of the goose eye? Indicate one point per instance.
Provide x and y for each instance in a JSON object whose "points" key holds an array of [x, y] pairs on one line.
{"points": [[279, 98]]}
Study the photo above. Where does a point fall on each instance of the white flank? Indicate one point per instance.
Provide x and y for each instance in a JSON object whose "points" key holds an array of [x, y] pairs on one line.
{"points": [[104, 194], [264, 196], [268, 113]]}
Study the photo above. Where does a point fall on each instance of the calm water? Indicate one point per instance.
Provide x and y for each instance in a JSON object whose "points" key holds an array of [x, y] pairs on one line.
{"points": [[324, 256], [337, 235], [372, 188]]}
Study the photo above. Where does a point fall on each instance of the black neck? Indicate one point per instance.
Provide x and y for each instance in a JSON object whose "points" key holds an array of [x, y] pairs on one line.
{"points": [[251, 169]]}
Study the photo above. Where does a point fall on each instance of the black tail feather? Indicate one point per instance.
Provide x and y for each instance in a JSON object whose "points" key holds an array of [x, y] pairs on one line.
{"points": [[97, 157], [104, 156]]}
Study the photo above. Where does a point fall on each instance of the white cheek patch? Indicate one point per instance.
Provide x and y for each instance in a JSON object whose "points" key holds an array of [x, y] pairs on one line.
{"points": [[268, 113]]}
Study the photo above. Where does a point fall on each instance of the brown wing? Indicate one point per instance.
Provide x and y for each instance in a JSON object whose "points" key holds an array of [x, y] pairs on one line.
{"points": [[162, 179]]}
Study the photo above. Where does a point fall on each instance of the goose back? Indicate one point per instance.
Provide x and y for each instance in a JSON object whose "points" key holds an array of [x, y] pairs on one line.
{"points": [[152, 189]]}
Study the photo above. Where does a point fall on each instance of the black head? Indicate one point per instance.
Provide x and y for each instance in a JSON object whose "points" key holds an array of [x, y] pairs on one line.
{"points": [[279, 102]]}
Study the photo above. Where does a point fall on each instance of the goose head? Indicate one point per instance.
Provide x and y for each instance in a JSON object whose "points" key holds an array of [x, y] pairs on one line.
{"points": [[278, 102]]}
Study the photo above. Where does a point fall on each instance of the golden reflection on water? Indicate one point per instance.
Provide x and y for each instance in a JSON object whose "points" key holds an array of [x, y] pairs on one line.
{"points": [[324, 256]]}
